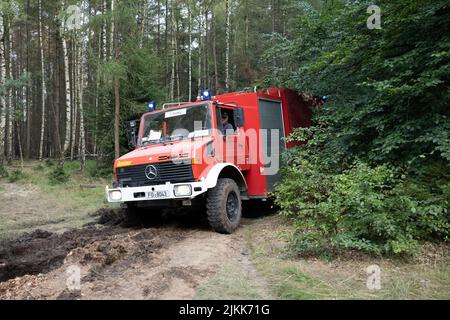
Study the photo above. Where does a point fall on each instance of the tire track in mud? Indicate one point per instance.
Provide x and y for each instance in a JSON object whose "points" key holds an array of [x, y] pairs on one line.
{"points": [[163, 258]]}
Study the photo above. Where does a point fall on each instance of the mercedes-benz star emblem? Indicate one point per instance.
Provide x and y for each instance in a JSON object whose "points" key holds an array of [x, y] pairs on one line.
{"points": [[151, 172]]}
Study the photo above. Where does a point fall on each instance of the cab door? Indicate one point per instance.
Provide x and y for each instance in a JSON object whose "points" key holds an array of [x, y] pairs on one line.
{"points": [[234, 141]]}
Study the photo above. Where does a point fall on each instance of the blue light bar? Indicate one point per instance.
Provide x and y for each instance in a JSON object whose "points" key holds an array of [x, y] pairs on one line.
{"points": [[151, 106], [206, 94]]}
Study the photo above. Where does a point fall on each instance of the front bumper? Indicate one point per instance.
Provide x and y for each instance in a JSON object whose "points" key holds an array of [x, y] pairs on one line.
{"points": [[153, 193]]}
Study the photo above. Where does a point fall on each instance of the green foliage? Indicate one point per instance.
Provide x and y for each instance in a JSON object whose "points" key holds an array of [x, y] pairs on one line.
{"points": [[15, 176], [388, 88], [138, 70], [100, 169], [58, 176], [374, 210], [3, 172], [49, 163], [39, 167], [374, 172]]}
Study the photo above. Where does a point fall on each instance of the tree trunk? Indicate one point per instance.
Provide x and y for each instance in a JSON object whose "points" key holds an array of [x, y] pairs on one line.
{"points": [[200, 43], [43, 86], [29, 99], [177, 60], [113, 27], [216, 68], [82, 142], [116, 88], [19, 142], [166, 46], [141, 25], [55, 105], [172, 77], [104, 31], [206, 51], [2, 98], [66, 87], [75, 96], [190, 51], [227, 50], [158, 15], [10, 112]]}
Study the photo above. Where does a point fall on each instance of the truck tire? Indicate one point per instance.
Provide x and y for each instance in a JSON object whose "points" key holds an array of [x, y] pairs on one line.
{"points": [[133, 215], [224, 206]]}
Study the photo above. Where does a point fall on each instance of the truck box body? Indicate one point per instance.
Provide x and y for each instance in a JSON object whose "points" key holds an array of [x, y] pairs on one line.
{"points": [[280, 109]]}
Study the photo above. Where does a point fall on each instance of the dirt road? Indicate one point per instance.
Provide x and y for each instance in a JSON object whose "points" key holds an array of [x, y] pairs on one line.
{"points": [[168, 258]]}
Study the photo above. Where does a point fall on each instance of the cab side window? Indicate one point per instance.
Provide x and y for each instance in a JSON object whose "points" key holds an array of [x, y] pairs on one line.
{"points": [[226, 121]]}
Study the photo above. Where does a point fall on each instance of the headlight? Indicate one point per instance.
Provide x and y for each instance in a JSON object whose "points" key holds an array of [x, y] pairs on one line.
{"points": [[183, 190], [115, 195]]}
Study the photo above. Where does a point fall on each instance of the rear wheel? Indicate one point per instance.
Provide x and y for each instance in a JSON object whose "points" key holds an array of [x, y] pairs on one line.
{"points": [[224, 206]]}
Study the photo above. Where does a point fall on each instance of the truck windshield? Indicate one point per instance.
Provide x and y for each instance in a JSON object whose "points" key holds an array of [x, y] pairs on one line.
{"points": [[177, 124]]}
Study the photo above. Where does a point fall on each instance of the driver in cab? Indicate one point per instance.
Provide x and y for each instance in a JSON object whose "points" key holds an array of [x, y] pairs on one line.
{"points": [[227, 127]]}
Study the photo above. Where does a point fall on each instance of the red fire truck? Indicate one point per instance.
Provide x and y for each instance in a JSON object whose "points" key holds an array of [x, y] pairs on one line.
{"points": [[218, 152]]}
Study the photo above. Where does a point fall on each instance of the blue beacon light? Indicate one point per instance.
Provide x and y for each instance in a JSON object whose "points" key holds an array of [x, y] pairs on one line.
{"points": [[151, 106], [206, 94]]}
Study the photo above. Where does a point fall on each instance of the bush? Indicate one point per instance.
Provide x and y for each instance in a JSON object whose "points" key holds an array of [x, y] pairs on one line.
{"points": [[39, 167], [363, 208], [49, 163], [15, 176], [3, 172], [100, 169], [58, 176]]}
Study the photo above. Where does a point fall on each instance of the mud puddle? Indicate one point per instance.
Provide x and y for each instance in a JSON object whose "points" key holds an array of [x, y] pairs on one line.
{"points": [[164, 257]]}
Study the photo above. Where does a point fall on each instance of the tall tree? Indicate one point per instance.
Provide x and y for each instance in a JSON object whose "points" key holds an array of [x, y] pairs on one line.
{"points": [[2, 95], [67, 86], [115, 37], [43, 85], [190, 50], [227, 40]]}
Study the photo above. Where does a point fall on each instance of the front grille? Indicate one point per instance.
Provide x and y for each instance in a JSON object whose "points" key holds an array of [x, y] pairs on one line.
{"points": [[166, 172]]}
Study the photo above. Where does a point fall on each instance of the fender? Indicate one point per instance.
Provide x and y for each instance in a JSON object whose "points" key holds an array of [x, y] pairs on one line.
{"points": [[214, 174]]}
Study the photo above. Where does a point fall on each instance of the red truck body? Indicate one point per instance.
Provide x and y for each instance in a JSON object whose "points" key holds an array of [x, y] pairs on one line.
{"points": [[172, 167]]}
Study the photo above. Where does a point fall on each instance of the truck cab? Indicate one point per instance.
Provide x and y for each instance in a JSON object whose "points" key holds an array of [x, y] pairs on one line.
{"points": [[217, 153]]}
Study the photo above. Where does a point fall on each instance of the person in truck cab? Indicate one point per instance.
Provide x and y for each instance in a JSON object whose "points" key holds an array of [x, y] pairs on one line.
{"points": [[227, 126]]}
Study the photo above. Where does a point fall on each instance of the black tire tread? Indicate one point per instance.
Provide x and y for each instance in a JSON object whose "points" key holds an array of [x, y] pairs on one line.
{"points": [[216, 213]]}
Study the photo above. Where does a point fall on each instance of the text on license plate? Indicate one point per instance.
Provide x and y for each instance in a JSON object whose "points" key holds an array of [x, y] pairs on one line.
{"points": [[158, 194]]}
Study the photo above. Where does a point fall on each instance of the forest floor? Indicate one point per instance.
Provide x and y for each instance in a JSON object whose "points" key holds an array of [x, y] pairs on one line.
{"points": [[45, 231]]}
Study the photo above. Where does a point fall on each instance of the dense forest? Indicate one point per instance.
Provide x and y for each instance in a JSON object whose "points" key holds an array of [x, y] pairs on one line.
{"points": [[374, 174], [73, 70]]}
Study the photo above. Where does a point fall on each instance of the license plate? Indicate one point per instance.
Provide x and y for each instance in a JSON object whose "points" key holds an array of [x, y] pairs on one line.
{"points": [[158, 194]]}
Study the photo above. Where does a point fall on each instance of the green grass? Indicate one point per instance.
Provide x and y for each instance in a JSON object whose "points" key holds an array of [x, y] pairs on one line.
{"points": [[230, 283], [343, 279], [56, 206], [71, 191]]}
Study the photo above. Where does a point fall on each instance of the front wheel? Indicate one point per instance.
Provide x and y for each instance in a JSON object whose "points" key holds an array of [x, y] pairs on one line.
{"points": [[224, 206]]}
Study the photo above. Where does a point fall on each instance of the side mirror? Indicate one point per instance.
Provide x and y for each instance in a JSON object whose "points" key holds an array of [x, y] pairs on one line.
{"points": [[132, 134], [239, 120]]}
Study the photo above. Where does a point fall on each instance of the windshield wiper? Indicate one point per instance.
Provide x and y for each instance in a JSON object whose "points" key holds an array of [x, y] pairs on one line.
{"points": [[177, 138], [146, 143]]}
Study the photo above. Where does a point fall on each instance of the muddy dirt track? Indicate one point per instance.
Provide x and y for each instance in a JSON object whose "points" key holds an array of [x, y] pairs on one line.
{"points": [[160, 258]]}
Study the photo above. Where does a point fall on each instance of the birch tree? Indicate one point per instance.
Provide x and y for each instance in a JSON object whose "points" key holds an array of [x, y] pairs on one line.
{"points": [[68, 92], [43, 86], [227, 41], [82, 142], [190, 50], [9, 89], [116, 83], [2, 96]]}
